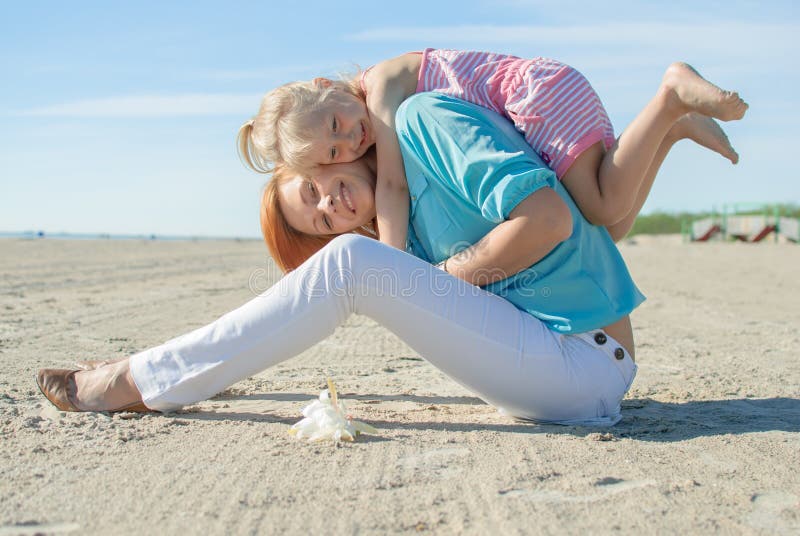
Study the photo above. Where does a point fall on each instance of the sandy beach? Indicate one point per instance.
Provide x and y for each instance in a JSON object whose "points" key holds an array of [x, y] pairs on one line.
{"points": [[709, 441]]}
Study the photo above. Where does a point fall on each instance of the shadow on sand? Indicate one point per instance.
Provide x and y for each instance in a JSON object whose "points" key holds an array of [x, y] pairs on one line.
{"points": [[304, 397], [650, 420], [643, 419]]}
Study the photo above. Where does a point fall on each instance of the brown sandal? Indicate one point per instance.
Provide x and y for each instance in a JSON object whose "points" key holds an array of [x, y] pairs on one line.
{"points": [[53, 385]]}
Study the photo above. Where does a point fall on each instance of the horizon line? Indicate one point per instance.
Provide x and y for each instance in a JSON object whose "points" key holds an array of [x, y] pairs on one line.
{"points": [[121, 236]]}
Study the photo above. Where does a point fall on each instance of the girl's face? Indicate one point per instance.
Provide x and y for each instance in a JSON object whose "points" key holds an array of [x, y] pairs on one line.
{"points": [[336, 199], [342, 129]]}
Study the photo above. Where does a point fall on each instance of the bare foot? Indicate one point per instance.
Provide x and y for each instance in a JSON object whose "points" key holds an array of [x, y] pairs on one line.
{"points": [[704, 131], [696, 94]]}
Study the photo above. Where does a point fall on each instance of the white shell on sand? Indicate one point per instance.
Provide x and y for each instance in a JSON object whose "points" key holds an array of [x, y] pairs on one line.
{"points": [[327, 418]]}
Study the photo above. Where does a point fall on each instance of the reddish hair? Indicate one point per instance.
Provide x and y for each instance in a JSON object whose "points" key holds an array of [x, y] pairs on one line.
{"points": [[289, 247]]}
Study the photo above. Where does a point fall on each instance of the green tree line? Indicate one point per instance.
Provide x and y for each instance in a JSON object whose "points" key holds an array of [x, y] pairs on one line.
{"points": [[670, 222]]}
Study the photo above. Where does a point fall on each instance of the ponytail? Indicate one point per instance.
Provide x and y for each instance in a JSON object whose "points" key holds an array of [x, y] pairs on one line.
{"points": [[248, 152]]}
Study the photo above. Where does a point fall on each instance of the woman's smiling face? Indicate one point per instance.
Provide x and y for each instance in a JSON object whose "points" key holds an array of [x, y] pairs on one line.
{"points": [[334, 199]]}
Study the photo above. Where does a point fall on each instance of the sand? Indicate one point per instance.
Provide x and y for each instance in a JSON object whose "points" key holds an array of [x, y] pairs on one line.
{"points": [[710, 439]]}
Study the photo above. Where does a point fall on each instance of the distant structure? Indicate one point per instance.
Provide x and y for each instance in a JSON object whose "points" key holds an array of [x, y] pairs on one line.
{"points": [[747, 222]]}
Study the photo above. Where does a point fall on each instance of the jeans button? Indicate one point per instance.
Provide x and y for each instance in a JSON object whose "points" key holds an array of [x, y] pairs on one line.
{"points": [[619, 353], [600, 338]]}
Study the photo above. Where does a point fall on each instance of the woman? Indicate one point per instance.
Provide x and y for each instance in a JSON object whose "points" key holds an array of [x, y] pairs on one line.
{"points": [[510, 358]]}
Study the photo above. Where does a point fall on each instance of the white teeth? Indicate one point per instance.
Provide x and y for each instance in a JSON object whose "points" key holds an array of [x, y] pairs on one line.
{"points": [[346, 198]]}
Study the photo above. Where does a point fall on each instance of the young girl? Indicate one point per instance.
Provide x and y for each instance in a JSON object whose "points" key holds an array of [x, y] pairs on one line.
{"points": [[325, 121]]}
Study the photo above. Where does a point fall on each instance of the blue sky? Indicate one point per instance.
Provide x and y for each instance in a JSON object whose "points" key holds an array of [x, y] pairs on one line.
{"points": [[121, 117]]}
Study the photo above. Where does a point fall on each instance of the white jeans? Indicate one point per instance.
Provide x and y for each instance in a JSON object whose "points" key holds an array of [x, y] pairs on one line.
{"points": [[504, 355]]}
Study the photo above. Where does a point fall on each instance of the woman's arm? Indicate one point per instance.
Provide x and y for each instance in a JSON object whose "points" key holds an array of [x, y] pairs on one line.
{"points": [[534, 228], [478, 156]]}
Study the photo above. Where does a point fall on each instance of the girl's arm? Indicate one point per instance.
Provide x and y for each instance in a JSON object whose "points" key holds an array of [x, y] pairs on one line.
{"points": [[391, 188], [388, 84], [534, 228]]}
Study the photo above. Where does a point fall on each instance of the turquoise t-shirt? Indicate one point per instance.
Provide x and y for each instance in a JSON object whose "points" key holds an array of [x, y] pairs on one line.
{"points": [[467, 168]]}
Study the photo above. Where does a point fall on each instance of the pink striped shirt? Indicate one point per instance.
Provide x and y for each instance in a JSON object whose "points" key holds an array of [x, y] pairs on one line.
{"points": [[550, 103]]}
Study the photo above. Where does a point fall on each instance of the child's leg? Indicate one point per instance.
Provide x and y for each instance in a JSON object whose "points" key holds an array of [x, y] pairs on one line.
{"points": [[698, 128], [605, 185]]}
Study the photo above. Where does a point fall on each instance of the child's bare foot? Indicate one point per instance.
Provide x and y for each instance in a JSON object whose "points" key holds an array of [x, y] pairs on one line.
{"points": [[696, 94], [704, 131]]}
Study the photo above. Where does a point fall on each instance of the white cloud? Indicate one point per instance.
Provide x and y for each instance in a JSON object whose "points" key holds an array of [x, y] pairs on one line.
{"points": [[150, 106], [242, 74], [717, 35], [269, 73]]}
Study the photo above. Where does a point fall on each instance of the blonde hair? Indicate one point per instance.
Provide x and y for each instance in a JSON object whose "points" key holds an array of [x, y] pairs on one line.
{"points": [[280, 132], [289, 247]]}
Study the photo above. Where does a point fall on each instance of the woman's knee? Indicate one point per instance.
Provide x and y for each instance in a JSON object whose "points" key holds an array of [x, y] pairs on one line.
{"points": [[350, 252], [355, 246], [349, 241], [359, 261]]}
